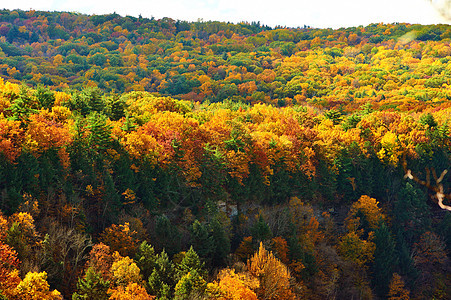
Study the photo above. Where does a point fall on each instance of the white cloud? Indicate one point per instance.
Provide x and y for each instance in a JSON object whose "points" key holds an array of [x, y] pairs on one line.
{"points": [[319, 13]]}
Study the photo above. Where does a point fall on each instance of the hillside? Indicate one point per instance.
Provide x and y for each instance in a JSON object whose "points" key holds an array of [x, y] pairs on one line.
{"points": [[392, 65], [206, 160]]}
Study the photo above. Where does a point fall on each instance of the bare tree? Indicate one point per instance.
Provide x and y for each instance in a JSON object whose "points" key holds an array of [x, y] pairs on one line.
{"points": [[435, 187]]}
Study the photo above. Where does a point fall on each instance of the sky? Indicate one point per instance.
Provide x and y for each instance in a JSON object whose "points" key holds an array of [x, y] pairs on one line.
{"points": [[290, 13]]}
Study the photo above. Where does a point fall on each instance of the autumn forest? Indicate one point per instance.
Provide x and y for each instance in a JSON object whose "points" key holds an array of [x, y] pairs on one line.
{"points": [[163, 159]]}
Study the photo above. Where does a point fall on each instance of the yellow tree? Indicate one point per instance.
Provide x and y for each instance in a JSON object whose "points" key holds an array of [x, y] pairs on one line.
{"points": [[397, 290], [131, 292], [233, 286], [273, 275], [353, 248], [364, 213], [35, 287], [124, 271]]}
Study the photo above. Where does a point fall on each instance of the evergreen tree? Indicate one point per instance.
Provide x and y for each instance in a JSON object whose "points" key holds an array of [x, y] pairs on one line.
{"points": [[261, 231], [384, 259], [161, 280], [22, 107], [45, 97], [167, 235], [91, 287], [221, 243], [190, 263], [201, 239], [145, 259]]}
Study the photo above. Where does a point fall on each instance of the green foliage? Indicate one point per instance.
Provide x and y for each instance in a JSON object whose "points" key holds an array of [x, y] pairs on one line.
{"points": [[201, 240], [167, 235], [45, 97], [190, 263], [22, 106], [92, 286], [145, 259], [384, 260], [261, 231], [161, 280]]}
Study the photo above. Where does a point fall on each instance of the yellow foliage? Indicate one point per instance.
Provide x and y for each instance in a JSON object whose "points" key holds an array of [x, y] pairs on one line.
{"points": [[273, 275], [124, 271], [232, 286], [369, 208], [35, 287], [397, 291], [352, 247], [132, 291]]}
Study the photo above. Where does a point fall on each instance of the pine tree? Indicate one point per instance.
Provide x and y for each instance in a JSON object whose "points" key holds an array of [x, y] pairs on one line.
{"points": [[261, 231], [189, 263], [91, 287], [145, 259], [201, 239], [384, 259], [221, 243], [161, 280]]}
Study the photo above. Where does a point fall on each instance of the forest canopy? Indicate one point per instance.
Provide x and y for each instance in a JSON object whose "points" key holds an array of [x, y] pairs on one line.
{"points": [[144, 158]]}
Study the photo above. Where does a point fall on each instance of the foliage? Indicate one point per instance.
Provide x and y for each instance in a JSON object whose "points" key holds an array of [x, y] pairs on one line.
{"points": [[197, 140], [273, 275]]}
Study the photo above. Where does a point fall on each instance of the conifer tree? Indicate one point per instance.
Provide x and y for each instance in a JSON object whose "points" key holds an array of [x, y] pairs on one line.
{"points": [[91, 287], [384, 259]]}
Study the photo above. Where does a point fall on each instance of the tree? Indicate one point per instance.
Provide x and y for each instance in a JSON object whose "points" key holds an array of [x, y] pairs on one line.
{"points": [[233, 286], [63, 255], [22, 107], [352, 247], [261, 231], [221, 243], [35, 287], [101, 260], [167, 235], [91, 287], [145, 259], [384, 259], [189, 263], [273, 275], [124, 271], [364, 215], [131, 292], [190, 285], [9, 275], [120, 238], [397, 290], [201, 240]]}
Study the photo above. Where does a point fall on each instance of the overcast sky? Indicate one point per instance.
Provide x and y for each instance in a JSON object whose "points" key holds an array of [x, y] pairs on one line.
{"points": [[291, 13]]}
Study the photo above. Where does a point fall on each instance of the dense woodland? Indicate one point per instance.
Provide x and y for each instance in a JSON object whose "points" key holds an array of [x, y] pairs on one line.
{"points": [[144, 158]]}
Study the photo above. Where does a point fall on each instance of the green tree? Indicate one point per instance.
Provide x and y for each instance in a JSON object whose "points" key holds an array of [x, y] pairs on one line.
{"points": [[91, 287], [384, 259], [201, 239], [161, 280], [261, 231], [221, 243], [167, 235], [190, 262], [145, 259]]}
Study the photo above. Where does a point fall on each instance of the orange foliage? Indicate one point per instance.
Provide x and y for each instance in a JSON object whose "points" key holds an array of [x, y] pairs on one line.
{"points": [[397, 290], [120, 238], [131, 292], [11, 138], [369, 208], [273, 275], [233, 286]]}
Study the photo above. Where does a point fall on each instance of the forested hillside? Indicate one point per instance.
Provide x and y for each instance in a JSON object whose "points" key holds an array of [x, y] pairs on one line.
{"points": [[145, 158]]}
